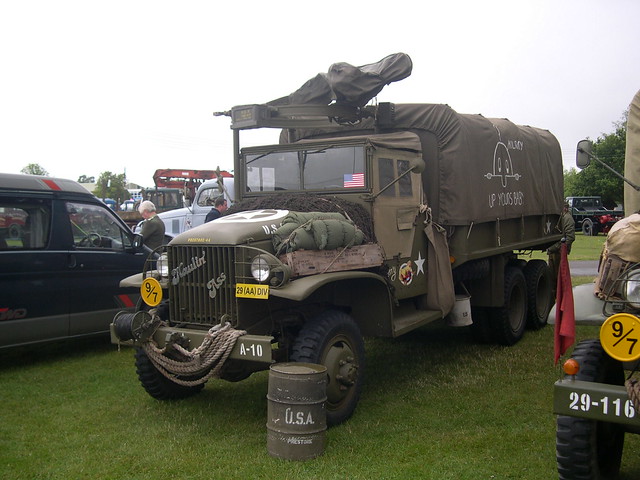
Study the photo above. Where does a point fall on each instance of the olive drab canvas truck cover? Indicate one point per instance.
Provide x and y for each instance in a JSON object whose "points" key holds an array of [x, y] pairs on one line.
{"points": [[477, 169]]}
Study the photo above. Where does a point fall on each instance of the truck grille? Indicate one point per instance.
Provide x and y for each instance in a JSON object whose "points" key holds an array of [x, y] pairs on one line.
{"points": [[201, 288]]}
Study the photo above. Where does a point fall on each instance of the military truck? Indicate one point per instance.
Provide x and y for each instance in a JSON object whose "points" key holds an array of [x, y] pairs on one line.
{"points": [[591, 216], [598, 399], [365, 221]]}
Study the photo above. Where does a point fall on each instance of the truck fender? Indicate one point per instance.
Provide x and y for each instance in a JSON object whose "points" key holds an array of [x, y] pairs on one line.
{"points": [[364, 295], [301, 288]]}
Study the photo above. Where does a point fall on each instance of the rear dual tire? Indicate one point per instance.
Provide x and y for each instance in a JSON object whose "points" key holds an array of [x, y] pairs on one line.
{"points": [[509, 321]]}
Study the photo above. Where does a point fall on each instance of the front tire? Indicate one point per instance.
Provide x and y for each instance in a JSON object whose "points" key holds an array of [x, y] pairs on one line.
{"points": [[333, 339], [589, 449], [156, 384]]}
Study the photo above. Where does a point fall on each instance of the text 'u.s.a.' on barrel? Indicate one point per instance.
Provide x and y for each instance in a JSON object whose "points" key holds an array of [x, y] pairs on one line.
{"points": [[297, 420]]}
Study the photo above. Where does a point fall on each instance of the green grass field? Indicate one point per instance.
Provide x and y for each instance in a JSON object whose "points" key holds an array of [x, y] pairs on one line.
{"points": [[584, 248], [435, 405]]}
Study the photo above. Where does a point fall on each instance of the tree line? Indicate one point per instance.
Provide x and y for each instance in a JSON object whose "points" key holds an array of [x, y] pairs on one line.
{"points": [[108, 185]]}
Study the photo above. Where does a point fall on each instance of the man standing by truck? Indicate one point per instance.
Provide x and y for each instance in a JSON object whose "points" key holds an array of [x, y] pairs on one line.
{"points": [[567, 227], [152, 228], [219, 207]]}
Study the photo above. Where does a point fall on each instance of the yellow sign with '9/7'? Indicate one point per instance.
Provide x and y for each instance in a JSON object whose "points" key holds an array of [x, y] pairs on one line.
{"points": [[151, 291], [620, 337]]}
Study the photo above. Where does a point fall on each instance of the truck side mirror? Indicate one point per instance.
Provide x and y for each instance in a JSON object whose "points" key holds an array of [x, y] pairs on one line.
{"points": [[583, 153]]}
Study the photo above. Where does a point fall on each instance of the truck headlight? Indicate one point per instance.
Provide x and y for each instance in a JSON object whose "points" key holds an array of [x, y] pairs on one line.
{"points": [[633, 289], [260, 268], [163, 265]]}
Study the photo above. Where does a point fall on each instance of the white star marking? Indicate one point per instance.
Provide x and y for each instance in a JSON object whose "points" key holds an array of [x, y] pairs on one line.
{"points": [[420, 263]]}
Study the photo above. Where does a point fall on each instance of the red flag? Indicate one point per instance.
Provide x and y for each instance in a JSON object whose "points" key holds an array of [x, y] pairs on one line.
{"points": [[565, 327]]}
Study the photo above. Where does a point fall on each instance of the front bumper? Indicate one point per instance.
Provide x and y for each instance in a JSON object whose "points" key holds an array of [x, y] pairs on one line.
{"points": [[595, 401], [249, 348]]}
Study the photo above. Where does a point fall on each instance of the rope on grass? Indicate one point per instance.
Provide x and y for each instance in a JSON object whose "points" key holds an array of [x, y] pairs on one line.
{"points": [[201, 363]]}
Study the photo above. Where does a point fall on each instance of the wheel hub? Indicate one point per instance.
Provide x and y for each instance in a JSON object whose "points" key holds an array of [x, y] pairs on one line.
{"points": [[342, 370]]}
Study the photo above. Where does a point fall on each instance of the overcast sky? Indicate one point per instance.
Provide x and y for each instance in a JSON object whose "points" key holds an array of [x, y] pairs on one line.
{"points": [[89, 86]]}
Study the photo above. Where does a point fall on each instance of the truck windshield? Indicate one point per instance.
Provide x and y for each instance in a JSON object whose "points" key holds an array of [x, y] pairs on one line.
{"points": [[312, 169]]}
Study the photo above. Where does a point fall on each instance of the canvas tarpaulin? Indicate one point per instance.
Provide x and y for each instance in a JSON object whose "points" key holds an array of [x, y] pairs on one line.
{"points": [[349, 85], [477, 169]]}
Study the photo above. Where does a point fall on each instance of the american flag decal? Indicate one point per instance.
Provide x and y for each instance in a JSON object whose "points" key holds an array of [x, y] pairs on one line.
{"points": [[353, 180]]}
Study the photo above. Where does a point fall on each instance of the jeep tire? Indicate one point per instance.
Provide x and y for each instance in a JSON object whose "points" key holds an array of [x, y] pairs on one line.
{"points": [[589, 449]]}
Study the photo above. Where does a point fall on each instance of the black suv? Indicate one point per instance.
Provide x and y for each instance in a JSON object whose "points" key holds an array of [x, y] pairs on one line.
{"points": [[62, 255]]}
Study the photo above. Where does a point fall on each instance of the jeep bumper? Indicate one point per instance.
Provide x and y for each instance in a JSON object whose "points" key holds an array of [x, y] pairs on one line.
{"points": [[596, 401]]}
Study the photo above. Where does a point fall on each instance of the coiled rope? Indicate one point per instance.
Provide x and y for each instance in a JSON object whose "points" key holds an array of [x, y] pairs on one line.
{"points": [[633, 390], [208, 357]]}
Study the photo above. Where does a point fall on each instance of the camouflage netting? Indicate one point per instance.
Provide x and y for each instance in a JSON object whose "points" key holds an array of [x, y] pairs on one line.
{"points": [[305, 202]]}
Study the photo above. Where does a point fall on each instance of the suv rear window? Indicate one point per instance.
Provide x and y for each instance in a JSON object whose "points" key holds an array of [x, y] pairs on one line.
{"points": [[24, 223]]}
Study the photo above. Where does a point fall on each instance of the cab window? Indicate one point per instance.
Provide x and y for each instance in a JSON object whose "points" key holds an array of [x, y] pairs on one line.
{"points": [[24, 224], [391, 170], [93, 227], [208, 197], [331, 168]]}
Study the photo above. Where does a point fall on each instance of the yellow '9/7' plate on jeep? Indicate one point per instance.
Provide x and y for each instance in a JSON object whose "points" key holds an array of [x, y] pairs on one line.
{"points": [[620, 335], [151, 291], [246, 290]]}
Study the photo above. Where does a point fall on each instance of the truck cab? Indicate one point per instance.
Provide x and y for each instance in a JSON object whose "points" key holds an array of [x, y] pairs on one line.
{"points": [[591, 216], [182, 219]]}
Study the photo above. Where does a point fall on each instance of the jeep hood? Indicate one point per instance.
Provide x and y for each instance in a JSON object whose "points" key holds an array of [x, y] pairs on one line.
{"points": [[236, 229]]}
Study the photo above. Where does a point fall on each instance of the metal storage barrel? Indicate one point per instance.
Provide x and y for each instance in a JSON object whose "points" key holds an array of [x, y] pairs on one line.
{"points": [[297, 420]]}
